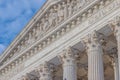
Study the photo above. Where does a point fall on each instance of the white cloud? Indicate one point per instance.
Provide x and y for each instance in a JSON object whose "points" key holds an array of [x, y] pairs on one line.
{"points": [[14, 15], [13, 8]]}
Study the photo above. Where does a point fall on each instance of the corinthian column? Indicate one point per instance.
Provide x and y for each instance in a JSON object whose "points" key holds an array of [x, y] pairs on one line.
{"points": [[44, 71], [115, 26], [69, 65], [95, 61]]}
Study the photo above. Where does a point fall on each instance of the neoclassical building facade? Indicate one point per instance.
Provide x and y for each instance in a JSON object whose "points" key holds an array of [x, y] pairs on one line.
{"points": [[67, 40]]}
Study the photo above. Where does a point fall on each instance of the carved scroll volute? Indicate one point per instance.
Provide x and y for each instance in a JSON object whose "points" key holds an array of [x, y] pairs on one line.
{"points": [[67, 56], [91, 41], [43, 68], [44, 71]]}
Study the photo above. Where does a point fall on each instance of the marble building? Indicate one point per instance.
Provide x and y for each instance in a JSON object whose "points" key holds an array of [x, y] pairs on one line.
{"points": [[67, 40]]}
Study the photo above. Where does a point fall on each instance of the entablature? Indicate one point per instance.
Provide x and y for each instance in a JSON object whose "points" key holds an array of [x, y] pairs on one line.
{"points": [[52, 14]]}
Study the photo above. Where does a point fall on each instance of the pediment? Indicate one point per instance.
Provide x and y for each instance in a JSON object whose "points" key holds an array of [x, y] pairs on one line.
{"points": [[14, 48], [49, 17]]}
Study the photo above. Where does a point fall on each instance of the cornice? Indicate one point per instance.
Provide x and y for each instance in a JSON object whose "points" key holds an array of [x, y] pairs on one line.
{"points": [[39, 14], [28, 27]]}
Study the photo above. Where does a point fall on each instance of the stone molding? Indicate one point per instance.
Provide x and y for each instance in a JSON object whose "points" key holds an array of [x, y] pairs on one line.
{"points": [[57, 33], [63, 31], [26, 41]]}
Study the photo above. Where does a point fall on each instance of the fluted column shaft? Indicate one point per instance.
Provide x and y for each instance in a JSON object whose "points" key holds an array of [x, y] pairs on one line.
{"points": [[69, 70], [95, 60], [95, 65], [69, 65], [116, 68], [118, 42]]}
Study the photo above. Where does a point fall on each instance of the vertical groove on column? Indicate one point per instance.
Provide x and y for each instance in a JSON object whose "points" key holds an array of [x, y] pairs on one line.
{"points": [[116, 68], [69, 65], [69, 72], [95, 61], [118, 42]]}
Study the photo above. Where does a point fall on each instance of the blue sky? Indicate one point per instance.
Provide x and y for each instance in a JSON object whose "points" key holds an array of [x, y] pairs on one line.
{"points": [[14, 15]]}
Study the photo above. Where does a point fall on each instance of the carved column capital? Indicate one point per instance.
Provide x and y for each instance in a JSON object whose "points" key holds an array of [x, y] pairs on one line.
{"points": [[95, 61], [43, 67], [44, 71], [91, 41], [67, 56], [69, 64]]}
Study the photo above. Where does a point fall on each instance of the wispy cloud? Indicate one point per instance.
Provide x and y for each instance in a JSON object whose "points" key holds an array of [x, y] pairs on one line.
{"points": [[14, 15]]}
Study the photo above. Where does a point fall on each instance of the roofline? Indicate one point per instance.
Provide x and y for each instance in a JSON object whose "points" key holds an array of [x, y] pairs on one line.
{"points": [[25, 30]]}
